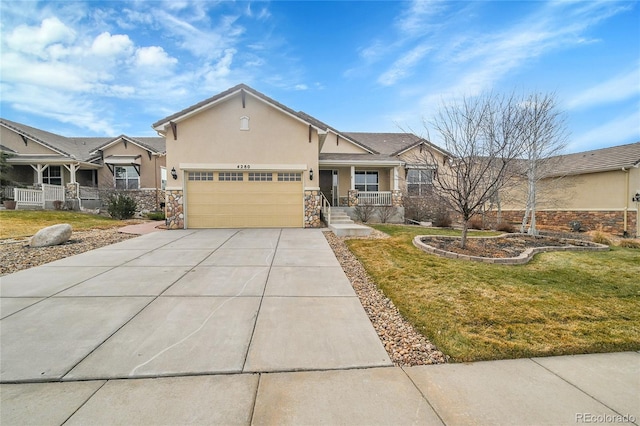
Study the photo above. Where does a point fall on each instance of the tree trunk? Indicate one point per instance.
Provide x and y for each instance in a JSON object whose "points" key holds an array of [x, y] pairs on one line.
{"points": [[465, 228]]}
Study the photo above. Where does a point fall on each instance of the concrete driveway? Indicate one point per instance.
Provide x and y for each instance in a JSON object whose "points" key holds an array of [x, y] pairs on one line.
{"points": [[186, 303]]}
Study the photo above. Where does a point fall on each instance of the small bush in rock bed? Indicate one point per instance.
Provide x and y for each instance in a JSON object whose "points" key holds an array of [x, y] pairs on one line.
{"points": [[121, 206], [630, 244], [505, 227], [155, 216]]}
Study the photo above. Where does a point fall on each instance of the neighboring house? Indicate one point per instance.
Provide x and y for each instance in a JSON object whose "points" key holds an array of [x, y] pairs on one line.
{"points": [[599, 188], [39, 157], [241, 159]]}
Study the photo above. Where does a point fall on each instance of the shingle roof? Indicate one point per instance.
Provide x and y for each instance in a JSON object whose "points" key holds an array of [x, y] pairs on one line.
{"points": [[391, 143], [358, 157], [78, 148], [598, 160]]}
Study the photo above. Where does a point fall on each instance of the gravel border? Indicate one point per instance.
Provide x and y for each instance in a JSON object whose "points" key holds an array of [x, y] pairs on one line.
{"points": [[405, 345], [16, 255]]}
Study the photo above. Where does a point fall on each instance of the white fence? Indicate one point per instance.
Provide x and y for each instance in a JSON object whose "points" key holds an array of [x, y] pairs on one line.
{"points": [[375, 198], [28, 197], [53, 192]]}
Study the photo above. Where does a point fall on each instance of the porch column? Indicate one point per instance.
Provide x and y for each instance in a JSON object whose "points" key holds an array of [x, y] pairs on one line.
{"points": [[353, 177], [72, 171], [39, 168], [396, 179]]}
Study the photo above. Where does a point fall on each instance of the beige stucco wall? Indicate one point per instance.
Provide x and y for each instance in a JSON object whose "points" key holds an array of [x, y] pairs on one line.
{"points": [[149, 167], [612, 190], [14, 141], [213, 136], [337, 145]]}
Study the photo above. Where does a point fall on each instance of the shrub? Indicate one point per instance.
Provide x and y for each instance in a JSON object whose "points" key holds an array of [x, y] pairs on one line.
{"points": [[600, 238], [630, 244], [155, 215], [442, 219], [121, 206], [385, 213], [58, 205], [505, 227], [476, 223], [575, 225], [417, 208], [364, 212]]}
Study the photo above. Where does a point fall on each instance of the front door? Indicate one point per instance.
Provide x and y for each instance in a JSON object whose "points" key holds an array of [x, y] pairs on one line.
{"points": [[329, 185]]}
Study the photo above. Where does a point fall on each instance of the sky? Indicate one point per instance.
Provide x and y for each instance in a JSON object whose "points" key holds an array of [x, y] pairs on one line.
{"points": [[98, 68]]}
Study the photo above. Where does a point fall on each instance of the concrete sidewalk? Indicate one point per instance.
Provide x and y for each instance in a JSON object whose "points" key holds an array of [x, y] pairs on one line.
{"points": [[253, 326]]}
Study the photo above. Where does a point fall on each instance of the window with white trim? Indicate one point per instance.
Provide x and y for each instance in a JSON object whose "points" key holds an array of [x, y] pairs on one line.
{"points": [[200, 176], [52, 175], [366, 181], [419, 181], [289, 177], [126, 177], [244, 123], [260, 176], [230, 177]]}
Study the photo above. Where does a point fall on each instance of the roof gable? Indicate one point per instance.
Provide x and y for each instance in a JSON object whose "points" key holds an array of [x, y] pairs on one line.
{"points": [[154, 145], [243, 89], [52, 141]]}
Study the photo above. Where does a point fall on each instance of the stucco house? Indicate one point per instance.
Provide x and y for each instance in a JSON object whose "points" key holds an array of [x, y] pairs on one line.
{"points": [[600, 189], [47, 160], [241, 159]]}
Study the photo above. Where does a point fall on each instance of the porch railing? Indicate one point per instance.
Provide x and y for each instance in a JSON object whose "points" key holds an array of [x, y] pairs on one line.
{"points": [[375, 198], [89, 193], [53, 192], [326, 209], [28, 197]]}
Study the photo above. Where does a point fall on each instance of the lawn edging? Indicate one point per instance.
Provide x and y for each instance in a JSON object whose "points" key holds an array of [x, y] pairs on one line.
{"points": [[524, 257]]}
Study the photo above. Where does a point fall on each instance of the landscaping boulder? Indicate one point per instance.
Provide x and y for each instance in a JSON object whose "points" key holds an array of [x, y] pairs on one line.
{"points": [[51, 236]]}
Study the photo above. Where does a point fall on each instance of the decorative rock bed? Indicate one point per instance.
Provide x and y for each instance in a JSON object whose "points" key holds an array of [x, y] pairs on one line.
{"points": [[555, 244]]}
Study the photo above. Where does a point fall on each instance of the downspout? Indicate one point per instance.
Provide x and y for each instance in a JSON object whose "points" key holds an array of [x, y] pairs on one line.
{"points": [[626, 201]]}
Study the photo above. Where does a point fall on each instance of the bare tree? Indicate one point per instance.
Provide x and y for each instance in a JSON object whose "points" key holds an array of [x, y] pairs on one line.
{"points": [[544, 139], [484, 137]]}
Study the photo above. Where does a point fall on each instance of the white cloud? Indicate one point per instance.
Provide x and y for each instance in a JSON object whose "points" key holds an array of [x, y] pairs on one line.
{"points": [[112, 45], [154, 56], [618, 88], [403, 67], [615, 132], [301, 87], [34, 39]]}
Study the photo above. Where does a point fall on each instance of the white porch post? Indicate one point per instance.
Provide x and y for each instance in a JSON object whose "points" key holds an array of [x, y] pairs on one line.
{"points": [[396, 179], [72, 171], [353, 177], [39, 168]]}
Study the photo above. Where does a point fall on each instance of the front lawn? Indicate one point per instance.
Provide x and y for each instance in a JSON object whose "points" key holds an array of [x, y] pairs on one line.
{"points": [[24, 223], [559, 303]]}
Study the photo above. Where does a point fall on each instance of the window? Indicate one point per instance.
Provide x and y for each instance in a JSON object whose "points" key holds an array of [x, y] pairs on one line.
{"points": [[52, 175], [230, 177], [200, 176], [289, 177], [163, 178], [366, 181], [126, 177], [419, 181], [260, 176]]}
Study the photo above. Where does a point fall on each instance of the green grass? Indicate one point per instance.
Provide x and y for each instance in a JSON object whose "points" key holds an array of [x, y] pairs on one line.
{"points": [[559, 303], [24, 223]]}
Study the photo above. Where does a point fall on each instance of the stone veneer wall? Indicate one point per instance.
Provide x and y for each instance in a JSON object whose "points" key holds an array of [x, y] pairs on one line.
{"points": [[396, 198], [174, 209], [352, 197], [608, 221], [147, 200], [312, 207]]}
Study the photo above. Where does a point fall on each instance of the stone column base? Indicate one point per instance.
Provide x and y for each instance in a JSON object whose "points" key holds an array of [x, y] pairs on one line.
{"points": [[174, 209]]}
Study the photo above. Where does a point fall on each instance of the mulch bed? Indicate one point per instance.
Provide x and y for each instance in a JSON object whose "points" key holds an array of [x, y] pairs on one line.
{"points": [[499, 247]]}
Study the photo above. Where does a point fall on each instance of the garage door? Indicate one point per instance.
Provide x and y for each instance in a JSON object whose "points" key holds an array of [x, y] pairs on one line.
{"points": [[221, 199]]}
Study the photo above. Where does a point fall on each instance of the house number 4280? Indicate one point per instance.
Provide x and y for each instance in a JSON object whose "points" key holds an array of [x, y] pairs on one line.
{"points": [[243, 166]]}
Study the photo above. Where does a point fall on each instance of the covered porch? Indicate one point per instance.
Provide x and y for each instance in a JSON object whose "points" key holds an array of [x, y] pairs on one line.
{"points": [[366, 183]]}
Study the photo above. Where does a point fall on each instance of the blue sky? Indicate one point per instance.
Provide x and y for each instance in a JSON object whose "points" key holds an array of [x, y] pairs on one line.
{"points": [[104, 68]]}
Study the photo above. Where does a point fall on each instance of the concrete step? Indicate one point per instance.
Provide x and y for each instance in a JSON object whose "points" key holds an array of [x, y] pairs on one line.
{"points": [[341, 220], [349, 230]]}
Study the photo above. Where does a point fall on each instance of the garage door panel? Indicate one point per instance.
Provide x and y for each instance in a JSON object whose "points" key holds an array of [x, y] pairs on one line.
{"points": [[244, 204]]}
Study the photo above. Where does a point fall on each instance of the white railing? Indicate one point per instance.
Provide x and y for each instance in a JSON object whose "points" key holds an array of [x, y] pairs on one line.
{"points": [[7, 191], [375, 198], [53, 192], [326, 209], [28, 197], [89, 193]]}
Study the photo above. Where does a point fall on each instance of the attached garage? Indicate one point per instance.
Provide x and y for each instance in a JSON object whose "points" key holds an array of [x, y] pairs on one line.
{"points": [[244, 199]]}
